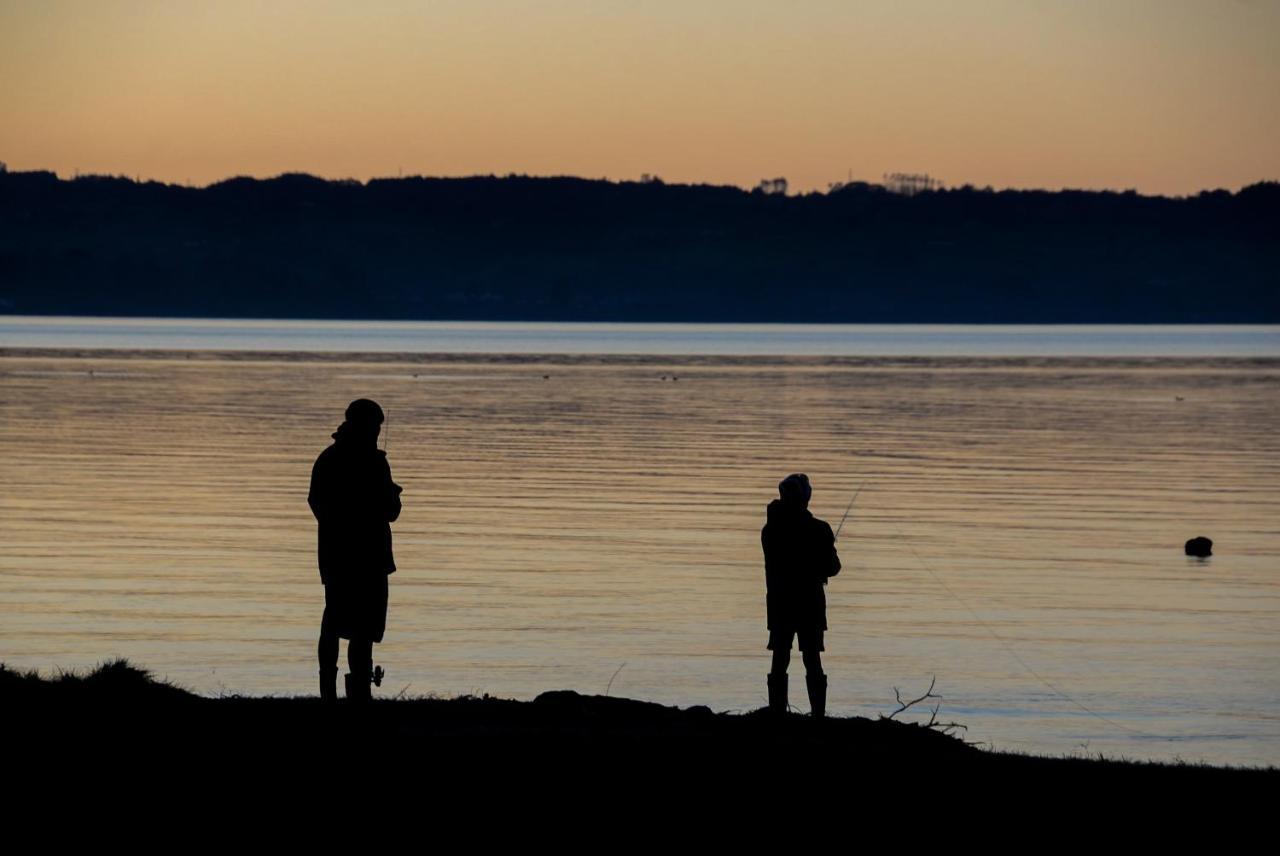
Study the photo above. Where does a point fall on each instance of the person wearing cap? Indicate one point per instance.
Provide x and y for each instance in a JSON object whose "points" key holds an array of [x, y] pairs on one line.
{"points": [[354, 501], [799, 558]]}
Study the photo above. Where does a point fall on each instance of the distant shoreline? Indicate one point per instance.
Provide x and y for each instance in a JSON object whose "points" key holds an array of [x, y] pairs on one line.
{"points": [[415, 339], [543, 249], [691, 361]]}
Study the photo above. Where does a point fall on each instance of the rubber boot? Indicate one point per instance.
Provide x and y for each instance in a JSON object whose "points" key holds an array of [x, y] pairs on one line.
{"points": [[817, 685], [329, 684], [777, 693], [358, 690]]}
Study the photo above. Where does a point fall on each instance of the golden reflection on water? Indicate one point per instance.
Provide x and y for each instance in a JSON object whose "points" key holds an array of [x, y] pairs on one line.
{"points": [[564, 516]]}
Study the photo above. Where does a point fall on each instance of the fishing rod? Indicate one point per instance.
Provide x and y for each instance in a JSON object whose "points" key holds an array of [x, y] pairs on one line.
{"points": [[849, 508]]}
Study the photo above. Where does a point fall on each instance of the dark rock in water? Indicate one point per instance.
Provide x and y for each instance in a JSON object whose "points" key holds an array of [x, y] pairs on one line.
{"points": [[1200, 547]]}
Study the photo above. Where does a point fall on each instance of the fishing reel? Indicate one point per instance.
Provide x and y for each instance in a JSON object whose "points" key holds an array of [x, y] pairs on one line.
{"points": [[378, 674]]}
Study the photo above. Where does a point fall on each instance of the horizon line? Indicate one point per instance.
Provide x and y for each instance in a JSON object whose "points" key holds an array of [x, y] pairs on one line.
{"points": [[645, 178]]}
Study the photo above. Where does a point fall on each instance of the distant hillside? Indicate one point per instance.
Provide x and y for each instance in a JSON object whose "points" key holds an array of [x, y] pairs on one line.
{"points": [[572, 249]]}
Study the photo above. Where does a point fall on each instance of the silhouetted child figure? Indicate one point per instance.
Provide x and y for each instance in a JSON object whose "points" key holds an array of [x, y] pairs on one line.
{"points": [[354, 501], [799, 557]]}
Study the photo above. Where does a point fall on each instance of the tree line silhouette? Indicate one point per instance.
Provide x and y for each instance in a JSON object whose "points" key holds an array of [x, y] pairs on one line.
{"points": [[523, 248]]}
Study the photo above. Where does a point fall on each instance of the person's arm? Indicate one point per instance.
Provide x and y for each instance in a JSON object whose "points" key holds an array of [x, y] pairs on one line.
{"points": [[834, 559], [391, 492], [315, 496]]}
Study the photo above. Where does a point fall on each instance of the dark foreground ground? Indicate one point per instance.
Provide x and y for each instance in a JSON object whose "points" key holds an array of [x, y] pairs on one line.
{"points": [[119, 717]]}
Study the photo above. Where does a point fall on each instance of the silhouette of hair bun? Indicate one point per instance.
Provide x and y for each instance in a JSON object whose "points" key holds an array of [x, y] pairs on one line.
{"points": [[364, 411], [795, 487]]}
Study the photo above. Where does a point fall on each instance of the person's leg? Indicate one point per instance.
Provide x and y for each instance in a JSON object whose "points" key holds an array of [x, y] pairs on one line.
{"points": [[327, 654], [815, 681], [360, 655], [360, 661], [781, 660], [327, 650], [780, 644]]}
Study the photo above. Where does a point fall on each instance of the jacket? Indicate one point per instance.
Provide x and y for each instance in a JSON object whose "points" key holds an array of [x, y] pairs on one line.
{"points": [[354, 501], [799, 557]]}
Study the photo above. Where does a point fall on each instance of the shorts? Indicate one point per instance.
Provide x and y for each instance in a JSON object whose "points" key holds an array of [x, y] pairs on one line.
{"points": [[356, 610], [810, 640]]}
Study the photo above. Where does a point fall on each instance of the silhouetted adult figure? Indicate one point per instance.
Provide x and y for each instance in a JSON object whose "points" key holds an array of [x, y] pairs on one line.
{"points": [[354, 501], [799, 557]]}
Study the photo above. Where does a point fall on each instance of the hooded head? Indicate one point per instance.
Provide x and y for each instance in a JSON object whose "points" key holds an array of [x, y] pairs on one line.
{"points": [[795, 490], [364, 422]]}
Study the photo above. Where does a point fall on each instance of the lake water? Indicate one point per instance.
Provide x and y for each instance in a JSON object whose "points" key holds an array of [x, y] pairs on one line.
{"points": [[576, 518], [481, 337]]}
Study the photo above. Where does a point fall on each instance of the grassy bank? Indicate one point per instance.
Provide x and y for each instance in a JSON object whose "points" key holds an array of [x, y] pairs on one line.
{"points": [[120, 712]]}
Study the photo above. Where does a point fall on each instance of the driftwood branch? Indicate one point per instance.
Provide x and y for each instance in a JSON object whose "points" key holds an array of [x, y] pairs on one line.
{"points": [[944, 727], [905, 705]]}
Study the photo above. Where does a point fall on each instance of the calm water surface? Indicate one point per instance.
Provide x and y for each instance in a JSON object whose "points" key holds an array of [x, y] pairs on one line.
{"points": [[567, 518], [482, 337]]}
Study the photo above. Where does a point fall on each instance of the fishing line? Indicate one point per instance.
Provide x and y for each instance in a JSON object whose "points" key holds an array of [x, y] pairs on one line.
{"points": [[849, 508], [1005, 644]]}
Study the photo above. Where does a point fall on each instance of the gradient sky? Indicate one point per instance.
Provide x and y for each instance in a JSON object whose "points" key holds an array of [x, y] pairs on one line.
{"points": [[1166, 96]]}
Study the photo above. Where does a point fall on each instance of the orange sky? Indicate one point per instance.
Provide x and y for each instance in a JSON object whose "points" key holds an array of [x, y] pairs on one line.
{"points": [[1166, 96]]}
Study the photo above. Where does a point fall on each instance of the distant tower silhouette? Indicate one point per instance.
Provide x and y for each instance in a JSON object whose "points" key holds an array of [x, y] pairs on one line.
{"points": [[840, 185]]}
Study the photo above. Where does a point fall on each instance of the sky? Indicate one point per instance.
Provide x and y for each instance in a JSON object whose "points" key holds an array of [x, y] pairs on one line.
{"points": [[1163, 96]]}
